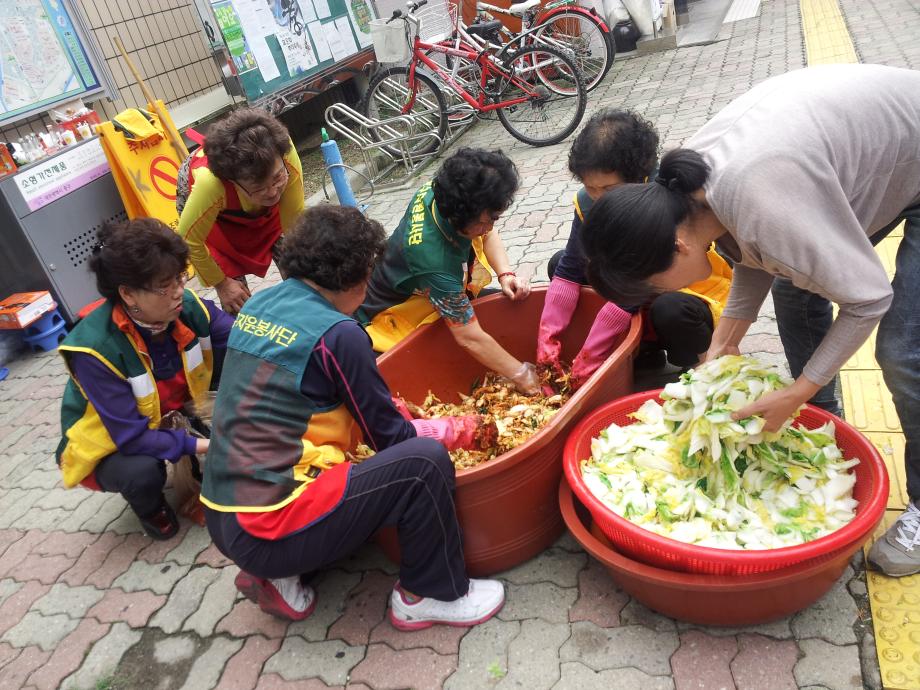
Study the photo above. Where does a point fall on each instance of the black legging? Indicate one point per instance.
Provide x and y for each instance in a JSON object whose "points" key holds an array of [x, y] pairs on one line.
{"points": [[684, 326], [683, 322], [409, 485], [138, 478]]}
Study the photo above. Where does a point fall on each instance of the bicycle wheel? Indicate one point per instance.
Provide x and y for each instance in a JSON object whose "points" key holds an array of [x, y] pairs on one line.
{"points": [[389, 95], [583, 36], [550, 113]]}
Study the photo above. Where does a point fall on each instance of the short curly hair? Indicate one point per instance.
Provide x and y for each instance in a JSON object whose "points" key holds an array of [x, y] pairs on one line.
{"points": [[618, 141], [136, 254], [472, 181], [336, 247], [245, 145]]}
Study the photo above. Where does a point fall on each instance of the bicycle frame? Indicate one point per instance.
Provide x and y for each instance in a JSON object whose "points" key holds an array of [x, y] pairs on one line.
{"points": [[545, 12], [481, 58], [531, 24]]}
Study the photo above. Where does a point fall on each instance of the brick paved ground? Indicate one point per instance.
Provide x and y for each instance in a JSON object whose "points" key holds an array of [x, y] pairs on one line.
{"points": [[86, 598]]}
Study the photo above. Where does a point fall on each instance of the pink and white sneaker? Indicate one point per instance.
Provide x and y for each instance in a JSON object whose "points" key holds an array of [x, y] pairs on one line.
{"points": [[285, 597], [484, 599]]}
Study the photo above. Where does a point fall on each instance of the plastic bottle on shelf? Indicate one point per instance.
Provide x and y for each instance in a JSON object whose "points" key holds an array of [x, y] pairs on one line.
{"points": [[19, 152], [34, 148], [48, 140]]}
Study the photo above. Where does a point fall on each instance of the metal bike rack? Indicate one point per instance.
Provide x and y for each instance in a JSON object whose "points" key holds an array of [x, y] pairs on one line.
{"points": [[385, 169]]}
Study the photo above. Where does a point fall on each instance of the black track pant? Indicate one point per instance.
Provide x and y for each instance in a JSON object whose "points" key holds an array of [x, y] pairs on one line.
{"points": [[409, 485]]}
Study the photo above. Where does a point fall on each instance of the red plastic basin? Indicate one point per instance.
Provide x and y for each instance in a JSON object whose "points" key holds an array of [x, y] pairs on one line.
{"points": [[871, 490], [706, 599], [507, 507]]}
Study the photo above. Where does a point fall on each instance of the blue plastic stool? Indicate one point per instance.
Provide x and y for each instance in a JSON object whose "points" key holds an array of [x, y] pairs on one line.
{"points": [[47, 333]]}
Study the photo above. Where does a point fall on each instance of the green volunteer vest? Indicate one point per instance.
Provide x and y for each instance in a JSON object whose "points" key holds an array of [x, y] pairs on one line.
{"points": [[423, 243], [85, 440], [260, 434]]}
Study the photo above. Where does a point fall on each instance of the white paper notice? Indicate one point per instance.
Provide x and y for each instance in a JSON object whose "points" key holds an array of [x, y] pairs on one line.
{"points": [[256, 19], [322, 8], [323, 52], [264, 58], [346, 37], [361, 14], [306, 9], [298, 53], [331, 32]]}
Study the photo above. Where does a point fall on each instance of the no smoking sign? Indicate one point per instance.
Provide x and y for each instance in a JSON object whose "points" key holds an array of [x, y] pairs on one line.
{"points": [[164, 173]]}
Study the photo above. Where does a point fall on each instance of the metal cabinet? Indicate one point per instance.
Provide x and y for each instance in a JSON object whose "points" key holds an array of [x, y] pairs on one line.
{"points": [[50, 212]]}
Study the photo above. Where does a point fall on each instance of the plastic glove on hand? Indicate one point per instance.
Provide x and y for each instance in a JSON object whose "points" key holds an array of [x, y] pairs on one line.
{"points": [[402, 408], [561, 300], [527, 380], [549, 351], [610, 322], [471, 432]]}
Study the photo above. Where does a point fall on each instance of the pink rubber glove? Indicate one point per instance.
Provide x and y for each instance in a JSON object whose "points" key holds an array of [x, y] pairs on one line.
{"points": [[402, 408], [609, 324], [560, 303], [453, 432]]}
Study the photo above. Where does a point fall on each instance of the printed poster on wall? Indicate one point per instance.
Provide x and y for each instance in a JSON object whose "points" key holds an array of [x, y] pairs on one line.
{"points": [[298, 53], [361, 15], [230, 29]]}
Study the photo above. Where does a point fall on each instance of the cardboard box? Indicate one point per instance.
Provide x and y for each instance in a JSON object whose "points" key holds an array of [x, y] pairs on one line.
{"points": [[21, 309]]}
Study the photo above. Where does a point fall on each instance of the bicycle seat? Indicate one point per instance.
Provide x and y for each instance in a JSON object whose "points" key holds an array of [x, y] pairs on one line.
{"points": [[485, 29], [519, 8]]}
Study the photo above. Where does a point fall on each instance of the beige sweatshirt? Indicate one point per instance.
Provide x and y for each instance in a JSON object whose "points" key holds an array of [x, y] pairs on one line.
{"points": [[805, 168]]}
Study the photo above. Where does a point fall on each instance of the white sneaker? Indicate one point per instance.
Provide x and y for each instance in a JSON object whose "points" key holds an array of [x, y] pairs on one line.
{"points": [[897, 552], [284, 597], [484, 599]]}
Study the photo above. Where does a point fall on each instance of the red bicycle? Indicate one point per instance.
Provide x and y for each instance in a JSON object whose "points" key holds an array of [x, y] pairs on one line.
{"points": [[536, 91]]}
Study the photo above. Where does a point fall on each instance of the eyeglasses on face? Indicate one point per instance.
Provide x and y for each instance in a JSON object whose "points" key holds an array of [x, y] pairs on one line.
{"points": [[278, 179], [178, 282]]}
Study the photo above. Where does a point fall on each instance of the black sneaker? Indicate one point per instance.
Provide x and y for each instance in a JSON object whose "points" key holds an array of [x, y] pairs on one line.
{"points": [[162, 525]]}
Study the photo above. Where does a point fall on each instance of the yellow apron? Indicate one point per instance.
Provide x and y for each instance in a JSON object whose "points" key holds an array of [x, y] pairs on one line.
{"points": [[714, 290], [391, 325]]}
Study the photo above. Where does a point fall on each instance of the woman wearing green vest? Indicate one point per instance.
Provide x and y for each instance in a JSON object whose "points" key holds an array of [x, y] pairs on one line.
{"points": [[442, 255], [144, 350], [300, 389]]}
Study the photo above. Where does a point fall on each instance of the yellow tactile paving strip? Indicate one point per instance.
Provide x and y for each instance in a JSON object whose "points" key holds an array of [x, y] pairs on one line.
{"points": [[896, 619], [827, 40], [895, 602]]}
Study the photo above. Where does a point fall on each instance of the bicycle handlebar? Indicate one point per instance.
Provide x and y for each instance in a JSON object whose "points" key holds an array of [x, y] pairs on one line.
{"points": [[411, 6]]}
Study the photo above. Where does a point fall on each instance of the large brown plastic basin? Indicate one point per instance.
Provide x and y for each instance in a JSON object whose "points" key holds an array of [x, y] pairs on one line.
{"points": [[508, 508], [707, 599]]}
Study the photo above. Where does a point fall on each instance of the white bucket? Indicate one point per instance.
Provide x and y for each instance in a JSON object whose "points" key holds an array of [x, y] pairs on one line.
{"points": [[389, 40]]}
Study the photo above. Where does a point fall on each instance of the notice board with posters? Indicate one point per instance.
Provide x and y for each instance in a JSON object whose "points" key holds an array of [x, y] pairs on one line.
{"points": [[276, 43], [44, 60]]}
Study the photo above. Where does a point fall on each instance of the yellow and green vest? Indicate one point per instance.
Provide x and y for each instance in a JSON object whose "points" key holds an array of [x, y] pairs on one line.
{"points": [[110, 336], [269, 441]]}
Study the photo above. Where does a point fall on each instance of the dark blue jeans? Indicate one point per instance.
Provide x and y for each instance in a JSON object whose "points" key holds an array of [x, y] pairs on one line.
{"points": [[898, 346], [804, 318]]}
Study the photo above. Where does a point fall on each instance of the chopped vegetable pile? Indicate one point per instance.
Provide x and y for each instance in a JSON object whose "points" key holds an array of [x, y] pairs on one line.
{"points": [[687, 471], [517, 417]]}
